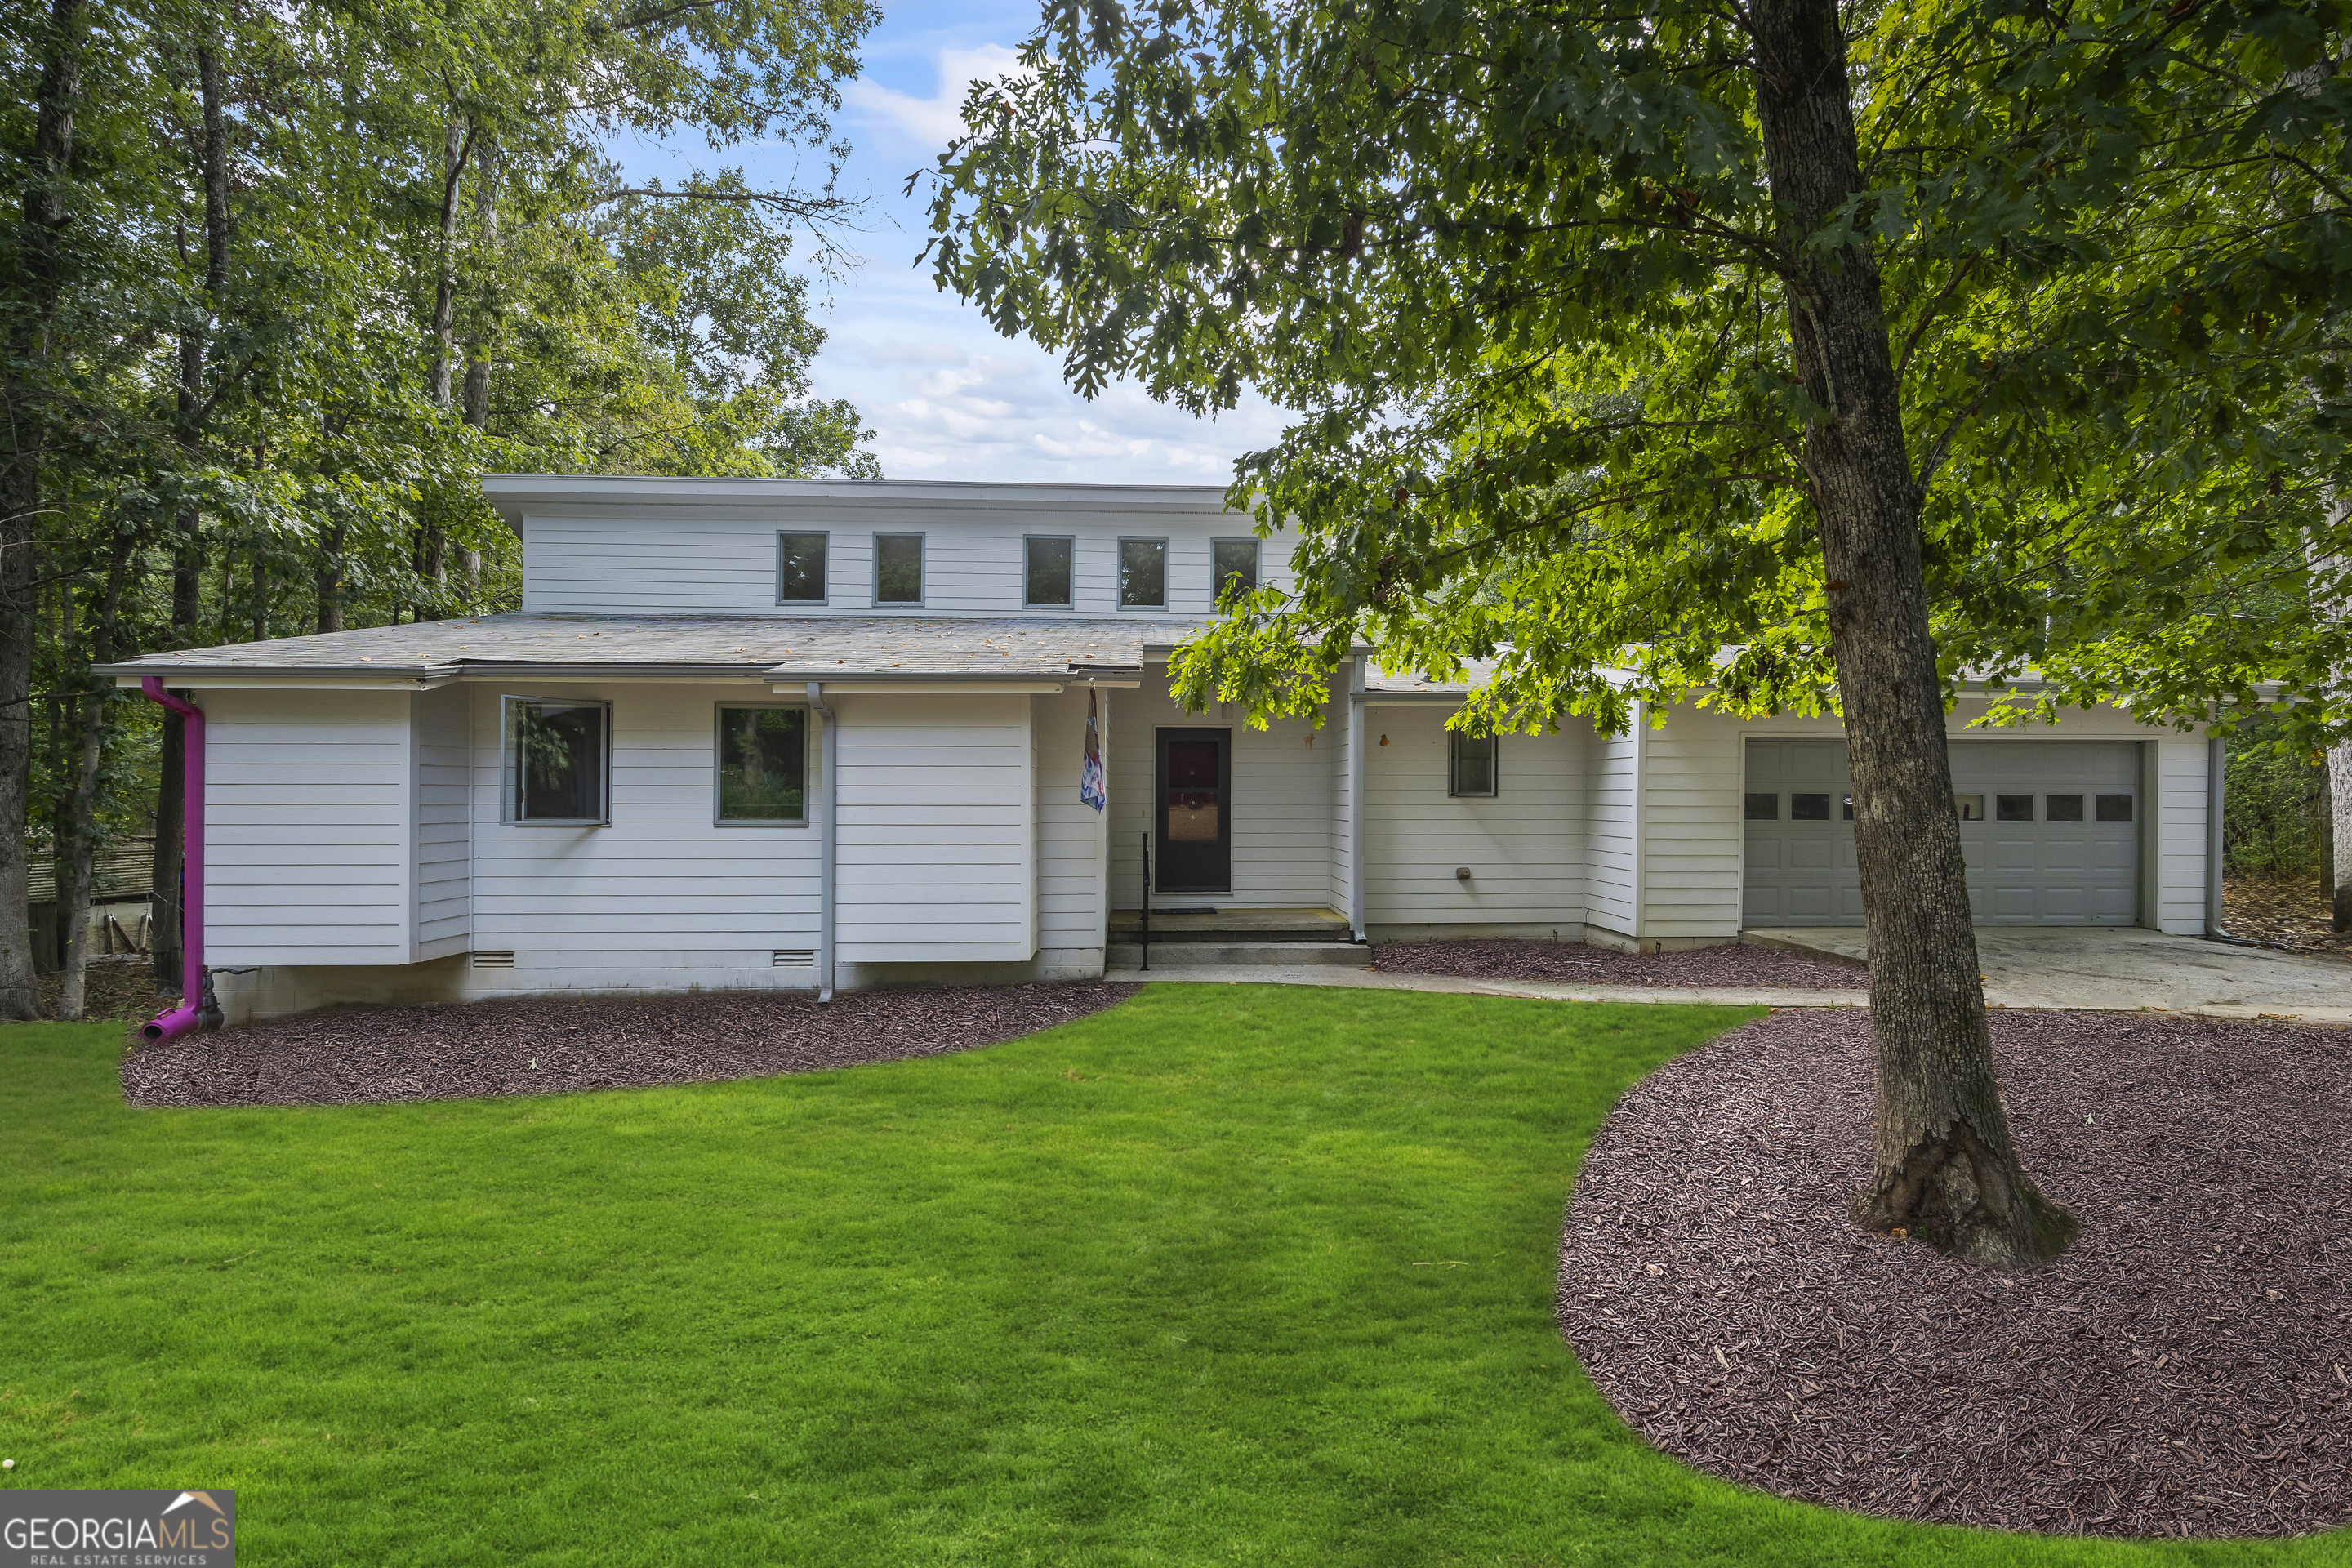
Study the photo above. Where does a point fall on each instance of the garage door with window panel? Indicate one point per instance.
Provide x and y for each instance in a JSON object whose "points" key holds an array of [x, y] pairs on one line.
{"points": [[2050, 830]]}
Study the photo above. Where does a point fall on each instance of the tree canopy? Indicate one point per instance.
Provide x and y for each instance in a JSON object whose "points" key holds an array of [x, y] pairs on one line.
{"points": [[278, 284], [1520, 273]]}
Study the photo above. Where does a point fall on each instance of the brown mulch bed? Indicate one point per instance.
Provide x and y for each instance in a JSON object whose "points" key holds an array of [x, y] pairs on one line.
{"points": [[2183, 1371], [1728, 964], [2292, 915], [542, 1046]]}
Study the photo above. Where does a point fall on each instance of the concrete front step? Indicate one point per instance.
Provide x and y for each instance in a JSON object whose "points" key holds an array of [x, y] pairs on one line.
{"points": [[1195, 954]]}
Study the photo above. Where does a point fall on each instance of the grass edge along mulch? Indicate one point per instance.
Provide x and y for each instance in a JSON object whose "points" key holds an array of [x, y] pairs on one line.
{"points": [[552, 1045], [1730, 964], [2184, 1371], [1230, 1274]]}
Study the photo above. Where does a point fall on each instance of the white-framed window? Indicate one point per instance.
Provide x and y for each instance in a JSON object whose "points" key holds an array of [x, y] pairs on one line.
{"points": [[558, 761], [761, 754], [800, 568], [1143, 574], [1046, 563], [898, 568], [1470, 764], [1233, 568]]}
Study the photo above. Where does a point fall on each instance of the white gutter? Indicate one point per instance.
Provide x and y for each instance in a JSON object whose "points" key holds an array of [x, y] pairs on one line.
{"points": [[389, 681], [829, 764], [1356, 795]]}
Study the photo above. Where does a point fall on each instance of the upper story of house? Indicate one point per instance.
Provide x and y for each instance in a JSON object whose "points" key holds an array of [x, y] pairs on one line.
{"points": [[597, 544]]}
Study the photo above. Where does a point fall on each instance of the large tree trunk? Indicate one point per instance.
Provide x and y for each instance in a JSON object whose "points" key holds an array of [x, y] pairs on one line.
{"points": [[1946, 1171], [38, 288]]}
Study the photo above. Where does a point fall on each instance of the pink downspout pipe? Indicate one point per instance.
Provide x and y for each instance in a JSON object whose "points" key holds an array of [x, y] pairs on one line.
{"points": [[189, 1014]]}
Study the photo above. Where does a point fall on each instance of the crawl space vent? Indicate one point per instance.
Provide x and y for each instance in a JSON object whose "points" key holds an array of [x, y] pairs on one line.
{"points": [[795, 957], [494, 960]]}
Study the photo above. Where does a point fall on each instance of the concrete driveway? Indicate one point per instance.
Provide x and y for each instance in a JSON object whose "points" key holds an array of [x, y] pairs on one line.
{"points": [[2123, 970]]}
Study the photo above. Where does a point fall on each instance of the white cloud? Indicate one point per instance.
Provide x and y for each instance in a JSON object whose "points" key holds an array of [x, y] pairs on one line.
{"points": [[999, 411], [932, 123]]}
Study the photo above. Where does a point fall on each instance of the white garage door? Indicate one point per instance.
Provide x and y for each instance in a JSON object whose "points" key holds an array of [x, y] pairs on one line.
{"points": [[2050, 830]]}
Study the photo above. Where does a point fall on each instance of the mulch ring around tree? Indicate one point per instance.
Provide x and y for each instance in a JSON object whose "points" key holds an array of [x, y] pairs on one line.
{"points": [[547, 1046], [1731, 963], [2184, 1370]]}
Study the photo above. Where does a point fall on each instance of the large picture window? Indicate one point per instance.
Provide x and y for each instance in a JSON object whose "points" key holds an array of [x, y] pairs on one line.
{"points": [[897, 568], [1046, 573], [762, 765], [1142, 573], [800, 568], [1470, 769], [558, 761]]}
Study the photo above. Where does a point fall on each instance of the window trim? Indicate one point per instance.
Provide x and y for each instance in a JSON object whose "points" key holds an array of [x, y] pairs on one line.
{"points": [[823, 599], [509, 813], [1026, 541], [1453, 739], [922, 570], [1119, 574], [719, 709], [1257, 565]]}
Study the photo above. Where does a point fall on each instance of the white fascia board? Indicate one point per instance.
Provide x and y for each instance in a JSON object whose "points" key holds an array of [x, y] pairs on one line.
{"points": [[552, 495]]}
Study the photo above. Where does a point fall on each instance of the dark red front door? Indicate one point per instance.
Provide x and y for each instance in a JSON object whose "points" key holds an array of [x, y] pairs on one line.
{"points": [[1193, 826]]}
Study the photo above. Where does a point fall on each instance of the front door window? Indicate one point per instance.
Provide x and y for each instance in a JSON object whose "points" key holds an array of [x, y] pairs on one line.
{"points": [[1192, 794]]}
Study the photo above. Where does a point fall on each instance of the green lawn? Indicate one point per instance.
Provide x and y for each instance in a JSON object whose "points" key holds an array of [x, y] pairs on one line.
{"points": [[1228, 1275]]}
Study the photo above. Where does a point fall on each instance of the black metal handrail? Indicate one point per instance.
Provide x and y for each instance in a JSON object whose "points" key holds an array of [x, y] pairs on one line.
{"points": [[1147, 901]]}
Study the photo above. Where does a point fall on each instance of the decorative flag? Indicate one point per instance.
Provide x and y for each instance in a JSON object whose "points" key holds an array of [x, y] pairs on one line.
{"points": [[1094, 785]]}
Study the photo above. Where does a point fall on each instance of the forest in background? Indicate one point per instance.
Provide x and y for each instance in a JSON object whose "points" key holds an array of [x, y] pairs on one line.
{"points": [[280, 283]]}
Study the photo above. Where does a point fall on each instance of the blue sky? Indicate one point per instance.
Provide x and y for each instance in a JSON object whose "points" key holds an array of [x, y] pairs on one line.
{"points": [[947, 397]]}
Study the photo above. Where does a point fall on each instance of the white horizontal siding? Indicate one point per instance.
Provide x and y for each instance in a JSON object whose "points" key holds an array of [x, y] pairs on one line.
{"points": [[936, 840], [2180, 826], [1691, 817], [1071, 835], [444, 837], [662, 889], [722, 560], [1610, 860], [1523, 847], [307, 827]]}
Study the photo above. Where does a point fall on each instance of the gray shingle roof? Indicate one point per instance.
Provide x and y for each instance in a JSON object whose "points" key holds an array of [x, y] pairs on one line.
{"points": [[783, 648]]}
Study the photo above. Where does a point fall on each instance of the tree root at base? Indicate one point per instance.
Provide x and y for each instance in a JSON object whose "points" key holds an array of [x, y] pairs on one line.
{"points": [[1967, 1201]]}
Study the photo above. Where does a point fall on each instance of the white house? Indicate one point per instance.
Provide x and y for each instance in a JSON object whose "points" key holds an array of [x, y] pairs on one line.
{"points": [[788, 733]]}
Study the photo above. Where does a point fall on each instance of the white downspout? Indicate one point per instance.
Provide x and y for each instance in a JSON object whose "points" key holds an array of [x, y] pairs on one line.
{"points": [[1355, 797], [2216, 771], [829, 766]]}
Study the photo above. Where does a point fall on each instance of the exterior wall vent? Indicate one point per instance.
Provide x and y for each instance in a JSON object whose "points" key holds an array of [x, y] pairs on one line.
{"points": [[795, 958], [494, 960]]}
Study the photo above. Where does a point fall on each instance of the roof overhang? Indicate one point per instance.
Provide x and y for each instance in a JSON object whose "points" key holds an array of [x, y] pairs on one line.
{"points": [[637, 496]]}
